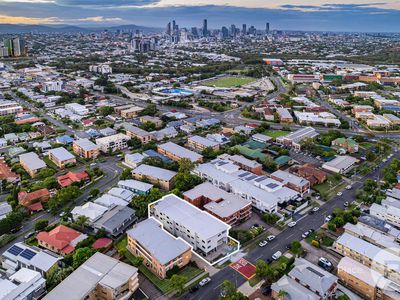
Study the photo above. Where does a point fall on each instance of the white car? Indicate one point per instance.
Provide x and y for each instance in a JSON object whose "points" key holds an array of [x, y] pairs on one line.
{"points": [[315, 209], [346, 204], [270, 238], [348, 187], [205, 281], [339, 194], [328, 218], [276, 255], [263, 243], [292, 224]]}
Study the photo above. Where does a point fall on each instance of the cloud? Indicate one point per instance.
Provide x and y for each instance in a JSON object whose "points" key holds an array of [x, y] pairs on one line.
{"points": [[5, 19]]}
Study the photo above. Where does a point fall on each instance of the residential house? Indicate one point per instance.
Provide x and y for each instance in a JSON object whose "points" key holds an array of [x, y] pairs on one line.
{"points": [[61, 157], [86, 149], [31, 163], [160, 177]]}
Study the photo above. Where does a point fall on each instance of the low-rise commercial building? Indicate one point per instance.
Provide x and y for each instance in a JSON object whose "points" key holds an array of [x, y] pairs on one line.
{"points": [[160, 250], [340, 164], [294, 139], [100, 277]]}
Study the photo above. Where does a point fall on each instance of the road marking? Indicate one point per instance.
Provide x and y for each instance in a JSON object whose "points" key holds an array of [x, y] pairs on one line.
{"points": [[272, 248], [289, 236]]}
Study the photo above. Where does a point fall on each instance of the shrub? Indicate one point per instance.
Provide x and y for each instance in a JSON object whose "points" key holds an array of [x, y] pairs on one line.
{"points": [[315, 243]]}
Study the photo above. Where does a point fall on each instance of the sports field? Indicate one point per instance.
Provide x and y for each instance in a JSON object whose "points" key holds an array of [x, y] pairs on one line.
{"points": [[228, 82]]}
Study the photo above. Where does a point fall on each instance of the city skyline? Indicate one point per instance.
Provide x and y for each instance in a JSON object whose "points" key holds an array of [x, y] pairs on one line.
{"points": [[359, 15]]}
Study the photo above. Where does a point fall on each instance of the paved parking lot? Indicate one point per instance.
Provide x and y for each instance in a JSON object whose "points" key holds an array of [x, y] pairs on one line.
{"points": [[303, 158], [313, 254]]}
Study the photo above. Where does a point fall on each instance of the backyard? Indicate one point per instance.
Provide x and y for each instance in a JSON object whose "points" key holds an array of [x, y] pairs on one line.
{"points": [[329, 187], [228, 82]]}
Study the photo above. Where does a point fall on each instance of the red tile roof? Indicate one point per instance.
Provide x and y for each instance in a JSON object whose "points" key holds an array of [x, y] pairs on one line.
{"points": [[26, 199], [60, 238], [71, 177], [101, 243], [35, 207]]}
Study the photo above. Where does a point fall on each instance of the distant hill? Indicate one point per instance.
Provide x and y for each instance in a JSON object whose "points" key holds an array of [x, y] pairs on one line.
{"points": [[64, 28]]}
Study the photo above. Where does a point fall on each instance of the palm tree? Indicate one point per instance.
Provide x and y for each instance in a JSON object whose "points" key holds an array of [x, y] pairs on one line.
{"points": [[82, 221], [282, 294]]}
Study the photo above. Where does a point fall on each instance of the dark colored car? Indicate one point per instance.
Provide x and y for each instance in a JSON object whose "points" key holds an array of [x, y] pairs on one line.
{"points": [[194, 288]]}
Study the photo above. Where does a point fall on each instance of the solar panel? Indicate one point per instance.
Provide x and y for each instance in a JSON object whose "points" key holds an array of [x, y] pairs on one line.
{"points": [[244, 174], [15, 250], [251, 177], [260, 179], [315, 272], [28, 254]]}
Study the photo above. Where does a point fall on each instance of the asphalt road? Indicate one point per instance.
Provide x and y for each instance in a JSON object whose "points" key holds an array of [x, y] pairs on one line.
{"points": [[314, 221]]}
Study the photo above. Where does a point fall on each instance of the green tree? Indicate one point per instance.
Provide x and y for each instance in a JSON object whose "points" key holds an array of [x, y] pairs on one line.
{"points": [[82, 221], [178, 283], [106, 110], [135, 143], [185, 165], [81, 255], [46, 172], [41, 224], [229, 292], [94, 192], [295, 247], [126, 174]]}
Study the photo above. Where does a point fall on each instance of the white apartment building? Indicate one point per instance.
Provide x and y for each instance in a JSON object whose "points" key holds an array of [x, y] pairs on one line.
{"points": [[49, 86], [77, 108], [102, 69], [8, 108], [202, 231], [113, 142], [388, 210]]}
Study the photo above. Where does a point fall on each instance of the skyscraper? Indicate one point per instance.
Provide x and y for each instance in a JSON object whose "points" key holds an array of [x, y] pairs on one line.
{"points": [[233, 30], [168, 30], [267, 28], [224, 32], [244, 29], [205, 28]]}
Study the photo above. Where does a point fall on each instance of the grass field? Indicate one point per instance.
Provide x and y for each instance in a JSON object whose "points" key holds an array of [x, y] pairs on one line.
{"points": [[228, 82], [275, 133], [329, 187]]}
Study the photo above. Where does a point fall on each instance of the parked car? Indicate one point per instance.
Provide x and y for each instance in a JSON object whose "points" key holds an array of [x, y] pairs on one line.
{"points": [[205, 281], [292, 224], [348, 187], [263, 243], [270, 238], [194, 288], [339, 194], [325, 264], [328, 218], [307, 233], [28, 235], [346, 204], [315, 209], [276, 255]]}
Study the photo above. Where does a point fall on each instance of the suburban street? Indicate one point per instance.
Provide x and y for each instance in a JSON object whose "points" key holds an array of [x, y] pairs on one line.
{"points": [[314, 221]]}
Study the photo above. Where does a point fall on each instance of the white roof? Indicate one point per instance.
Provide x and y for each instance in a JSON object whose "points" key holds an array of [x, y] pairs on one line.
{"points": [[155, 172], [99, 268], [32, 160], [203, 141], [180, 151], [341, 162], [86, 144], [91, 210], [184, 213], [369, 250], [61, 154], [109, 201], [135, 185], [124, 194], [291, 178]]}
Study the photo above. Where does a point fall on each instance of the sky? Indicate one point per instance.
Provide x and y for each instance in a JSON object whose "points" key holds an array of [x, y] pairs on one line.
{"points": [[314, 15]]}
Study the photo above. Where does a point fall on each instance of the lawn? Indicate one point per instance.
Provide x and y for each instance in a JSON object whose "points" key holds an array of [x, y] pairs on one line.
{"points": [[275, 133], [228, 82], [328, 188], [164, 286]]}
